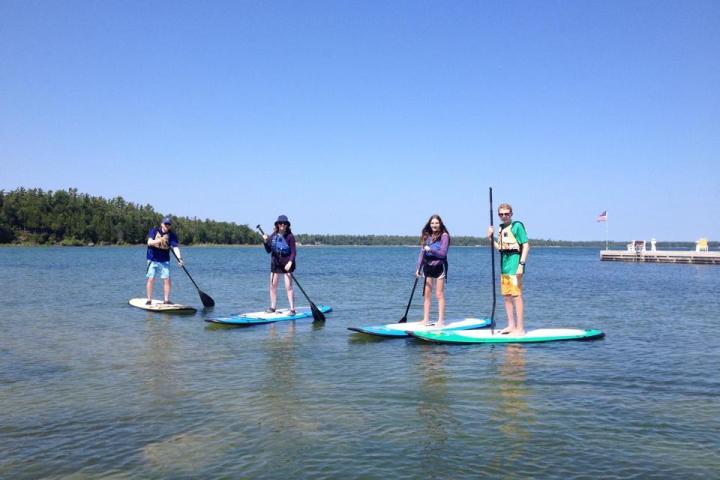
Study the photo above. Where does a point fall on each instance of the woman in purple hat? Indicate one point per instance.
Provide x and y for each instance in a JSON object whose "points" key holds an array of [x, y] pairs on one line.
{"points": [[281, 247]]}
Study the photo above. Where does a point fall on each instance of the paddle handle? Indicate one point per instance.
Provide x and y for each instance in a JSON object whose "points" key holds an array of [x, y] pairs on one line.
{"points": [[492, 261]]}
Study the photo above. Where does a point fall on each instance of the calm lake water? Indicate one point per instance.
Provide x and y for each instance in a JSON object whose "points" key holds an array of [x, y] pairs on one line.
{"points": [[93, 388]]}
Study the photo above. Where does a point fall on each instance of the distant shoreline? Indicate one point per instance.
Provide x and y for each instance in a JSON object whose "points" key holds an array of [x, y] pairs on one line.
{"points": [[669, 246], [33, 217]]}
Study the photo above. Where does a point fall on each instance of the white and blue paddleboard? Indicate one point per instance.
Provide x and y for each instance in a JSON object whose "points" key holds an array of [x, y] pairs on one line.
{"points": [[402, 329], [488, 336], [258, 318]]}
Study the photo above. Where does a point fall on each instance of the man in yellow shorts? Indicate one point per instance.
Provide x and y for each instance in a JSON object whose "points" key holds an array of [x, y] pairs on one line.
{"points": [[513, 244]]}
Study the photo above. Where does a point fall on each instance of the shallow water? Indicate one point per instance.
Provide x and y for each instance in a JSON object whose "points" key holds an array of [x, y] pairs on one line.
{"points": [[93, 388]]}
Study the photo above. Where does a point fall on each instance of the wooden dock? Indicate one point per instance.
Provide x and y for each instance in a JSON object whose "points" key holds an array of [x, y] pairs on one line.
{"points": [[661, 256]]}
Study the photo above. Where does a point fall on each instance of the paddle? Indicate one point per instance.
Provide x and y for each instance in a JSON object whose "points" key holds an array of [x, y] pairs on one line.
{"points": [[206, 299], [318, 316], [492, 257], [404, 318]]}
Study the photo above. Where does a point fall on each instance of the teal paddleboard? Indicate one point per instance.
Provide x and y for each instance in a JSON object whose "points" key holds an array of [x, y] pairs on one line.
{"points": [[494, 336], [403, 329], [258, 318]]}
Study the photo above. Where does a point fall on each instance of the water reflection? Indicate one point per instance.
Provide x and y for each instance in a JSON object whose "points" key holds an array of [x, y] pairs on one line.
{"points": [[281, 359], [281, 406], [160, 358], [432, 409], [279, 390], [513, 413]]}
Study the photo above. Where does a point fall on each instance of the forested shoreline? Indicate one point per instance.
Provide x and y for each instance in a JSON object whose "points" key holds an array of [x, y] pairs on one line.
{"points": [[67, 217]]}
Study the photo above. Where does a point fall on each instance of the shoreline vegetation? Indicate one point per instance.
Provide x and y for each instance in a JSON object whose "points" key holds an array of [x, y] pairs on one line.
{"points": [[33, 217]]}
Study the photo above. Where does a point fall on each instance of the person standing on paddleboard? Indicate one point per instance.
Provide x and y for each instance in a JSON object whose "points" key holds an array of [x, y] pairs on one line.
{"points": [[433, 265], [513, 245], [160, 240], [281, 247]]}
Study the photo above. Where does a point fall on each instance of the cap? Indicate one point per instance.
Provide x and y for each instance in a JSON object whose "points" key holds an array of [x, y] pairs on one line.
{"points": [[282, 219], [167, 221]]}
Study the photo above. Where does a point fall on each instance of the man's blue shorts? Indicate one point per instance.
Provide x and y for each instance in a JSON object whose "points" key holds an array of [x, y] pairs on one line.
{"points": [[153, 267]]}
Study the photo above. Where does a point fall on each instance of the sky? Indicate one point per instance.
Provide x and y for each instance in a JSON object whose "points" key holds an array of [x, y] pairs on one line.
{"points": [[366, 117]]}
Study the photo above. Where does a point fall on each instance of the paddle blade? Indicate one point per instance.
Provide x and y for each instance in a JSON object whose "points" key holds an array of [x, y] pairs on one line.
{"points": [[403, 320], [206, 299], [318, 316]]}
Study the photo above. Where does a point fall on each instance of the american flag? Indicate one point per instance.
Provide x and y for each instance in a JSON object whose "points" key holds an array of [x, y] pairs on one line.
{"points": [[602, 217]]}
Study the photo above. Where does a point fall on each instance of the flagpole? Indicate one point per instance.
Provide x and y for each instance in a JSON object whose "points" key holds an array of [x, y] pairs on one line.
{"points": [[606, 234], [603, 217]]}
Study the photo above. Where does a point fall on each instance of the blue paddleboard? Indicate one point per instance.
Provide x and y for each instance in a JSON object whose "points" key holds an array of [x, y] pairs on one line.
{"points": [[402, 329], [258, 318]]}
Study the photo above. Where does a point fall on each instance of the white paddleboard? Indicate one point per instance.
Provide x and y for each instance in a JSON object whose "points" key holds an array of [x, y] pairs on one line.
{"points": [[159, 306]]}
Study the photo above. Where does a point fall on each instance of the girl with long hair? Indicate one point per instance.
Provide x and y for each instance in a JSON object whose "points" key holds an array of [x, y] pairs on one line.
{"points": [[433, 265]]}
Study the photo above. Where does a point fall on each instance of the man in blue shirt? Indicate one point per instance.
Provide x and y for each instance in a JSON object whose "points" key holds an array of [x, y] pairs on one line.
{"points": [[160, 240]]}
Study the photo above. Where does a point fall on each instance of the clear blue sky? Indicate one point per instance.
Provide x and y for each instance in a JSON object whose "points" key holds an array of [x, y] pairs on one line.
{"points": [[368, 116]]}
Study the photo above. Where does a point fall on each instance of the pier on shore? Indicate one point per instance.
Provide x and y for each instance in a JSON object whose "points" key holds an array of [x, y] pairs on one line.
{"points": [[661, 256]]}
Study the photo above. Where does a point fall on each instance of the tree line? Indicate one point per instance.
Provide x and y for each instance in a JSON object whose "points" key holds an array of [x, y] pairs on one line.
{"points": [[460, 241], [66, 217]]}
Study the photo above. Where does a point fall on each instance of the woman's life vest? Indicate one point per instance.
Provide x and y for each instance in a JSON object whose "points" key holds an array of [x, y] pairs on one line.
{"points": [[434, 246], [280, 246]]}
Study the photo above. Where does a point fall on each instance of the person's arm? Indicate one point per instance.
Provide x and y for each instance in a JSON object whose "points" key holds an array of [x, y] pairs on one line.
{"points": [[175, 245], [152, 241], [291, 243], [524, 249], [444, 245], [267, 244], [420, 260], [524, 246]]}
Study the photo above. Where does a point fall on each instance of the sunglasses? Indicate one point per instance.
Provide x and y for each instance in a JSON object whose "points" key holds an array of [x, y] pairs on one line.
{"points": [[508, 214]]}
